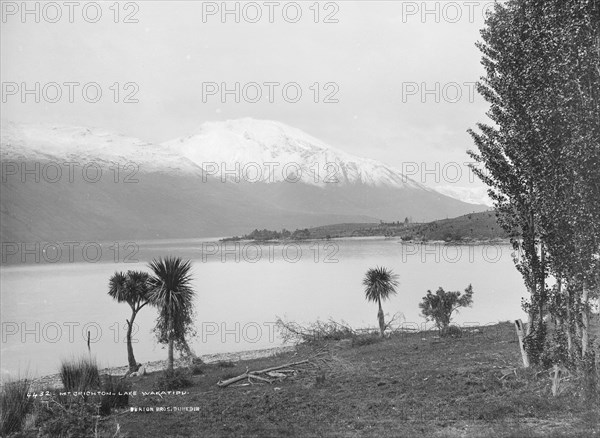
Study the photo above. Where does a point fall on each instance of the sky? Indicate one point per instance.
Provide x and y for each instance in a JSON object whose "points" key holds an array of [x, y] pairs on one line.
{"points": [[395, 79]]}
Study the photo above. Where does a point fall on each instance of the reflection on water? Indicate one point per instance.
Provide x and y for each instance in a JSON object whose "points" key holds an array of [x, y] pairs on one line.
{"points": [[47, 309]]}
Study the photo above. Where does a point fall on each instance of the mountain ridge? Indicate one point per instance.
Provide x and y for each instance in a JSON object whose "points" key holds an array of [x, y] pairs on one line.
{"points": [[157, 191], [264, 141]]}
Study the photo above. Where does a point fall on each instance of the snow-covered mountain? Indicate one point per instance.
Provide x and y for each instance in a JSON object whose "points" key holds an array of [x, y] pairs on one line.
{"points": [[177, 195], [271, 151], [85, 145]]}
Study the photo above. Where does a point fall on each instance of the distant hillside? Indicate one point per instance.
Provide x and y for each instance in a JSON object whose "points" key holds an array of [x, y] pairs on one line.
{"points": [[173, 190], [474, 226], [470, 227]]}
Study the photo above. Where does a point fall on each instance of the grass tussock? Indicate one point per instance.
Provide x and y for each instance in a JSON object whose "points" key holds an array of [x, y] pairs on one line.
{"points": [[14, 404], [48, 413], [80, 374]]}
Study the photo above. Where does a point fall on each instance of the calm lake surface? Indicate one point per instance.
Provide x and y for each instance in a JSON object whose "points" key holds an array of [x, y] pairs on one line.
{"points": [[47, 308]]}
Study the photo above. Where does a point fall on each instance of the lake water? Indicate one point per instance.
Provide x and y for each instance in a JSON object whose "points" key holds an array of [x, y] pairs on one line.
{"points": [[47, 308]]}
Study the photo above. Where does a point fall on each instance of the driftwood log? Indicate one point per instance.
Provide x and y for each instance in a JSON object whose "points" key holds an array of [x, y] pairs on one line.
{"points": [[255, 374]]}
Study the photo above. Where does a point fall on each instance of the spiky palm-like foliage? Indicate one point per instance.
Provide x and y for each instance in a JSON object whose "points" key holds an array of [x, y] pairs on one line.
{"points": [[380, 283], [172, 293], [132, 288]]}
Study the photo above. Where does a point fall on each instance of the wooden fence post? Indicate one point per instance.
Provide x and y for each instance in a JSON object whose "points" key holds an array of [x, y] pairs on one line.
{"points": [[521, 335]]}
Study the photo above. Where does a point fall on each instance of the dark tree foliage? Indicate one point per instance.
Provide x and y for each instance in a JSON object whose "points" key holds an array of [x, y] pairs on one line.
{"points": [[540, 155], [132, 288], [172, 293], [380, 283], [440, 306]]}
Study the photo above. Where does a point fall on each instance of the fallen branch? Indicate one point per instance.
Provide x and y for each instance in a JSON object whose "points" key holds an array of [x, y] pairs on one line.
{"points": [[224, 383], [253, 374], [266, 370], [263, 379]]}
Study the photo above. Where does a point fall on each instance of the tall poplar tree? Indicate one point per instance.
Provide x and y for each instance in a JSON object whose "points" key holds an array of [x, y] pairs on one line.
{"points": [[540, 155]]}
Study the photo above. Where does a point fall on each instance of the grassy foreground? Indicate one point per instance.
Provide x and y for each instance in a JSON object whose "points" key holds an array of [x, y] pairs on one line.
{"points": [[411, 385]]}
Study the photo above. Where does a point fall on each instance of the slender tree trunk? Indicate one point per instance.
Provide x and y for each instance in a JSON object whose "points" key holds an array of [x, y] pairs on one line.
{"points": [[535, 301], [568, 322], [596, 349], [170, 356], [542, 285], [585, 318], [380, 318], [529, 327], [130, 357]]}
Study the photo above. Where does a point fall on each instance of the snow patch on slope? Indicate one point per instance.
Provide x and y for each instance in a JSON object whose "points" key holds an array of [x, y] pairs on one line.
{"points": [[42, 142], [279, 151]]}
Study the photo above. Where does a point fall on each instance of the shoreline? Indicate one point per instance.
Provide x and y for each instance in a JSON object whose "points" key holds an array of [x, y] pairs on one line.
{"points": [[27, 264], [498, 240], [53, 381]]}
